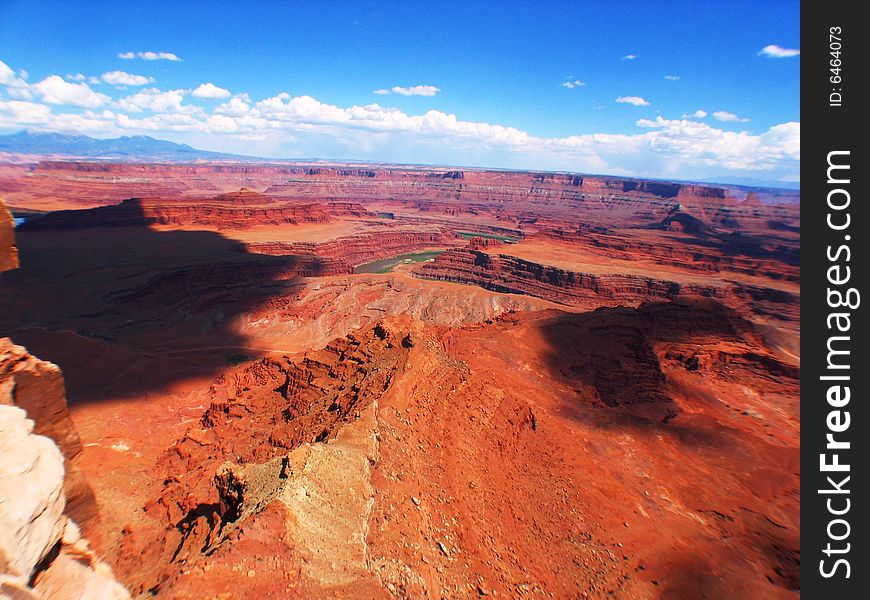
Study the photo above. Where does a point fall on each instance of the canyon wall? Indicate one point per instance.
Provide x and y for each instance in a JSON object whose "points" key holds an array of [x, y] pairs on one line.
{"points": [[509, 274], [362, 248], [485, 267], [223, 212], [92, 183], [8, 252], [37, 386]]}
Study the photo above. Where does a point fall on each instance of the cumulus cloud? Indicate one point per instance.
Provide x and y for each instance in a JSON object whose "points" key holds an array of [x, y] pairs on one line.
{"points": [[573, 84], [156, 101], [235, 107], [122, 78], [7, 75], [629, 57], [209, 91], [727, 117], [54, 90], [774, 51], [16, 86], [701, 143], [698, 114], [149, 56], [16, 113], [416, 90], [672, 77], [635, 100]]}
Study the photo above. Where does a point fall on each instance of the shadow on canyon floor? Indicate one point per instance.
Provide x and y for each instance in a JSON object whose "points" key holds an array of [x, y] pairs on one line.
{"points": [[126, 310], [711, 462], [608, 354]]}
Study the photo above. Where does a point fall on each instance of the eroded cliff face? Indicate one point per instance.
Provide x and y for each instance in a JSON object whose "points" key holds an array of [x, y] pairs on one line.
{"points": [[490, 269], [509, 274], [467, 191], [8, 252], [37, 387], [358, 249], [268, 424], [231, 211], [42, 553]]}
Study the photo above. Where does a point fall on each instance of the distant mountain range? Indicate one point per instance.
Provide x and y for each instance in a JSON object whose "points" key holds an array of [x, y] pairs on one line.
{"points": [[137, 147]]}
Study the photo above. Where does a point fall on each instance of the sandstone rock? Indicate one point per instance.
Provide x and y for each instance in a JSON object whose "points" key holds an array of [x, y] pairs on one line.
{"points": [[8, 252], [12, 589], [31, 495], [37, 542], [229, 211], [37, 386], [79, 575]]}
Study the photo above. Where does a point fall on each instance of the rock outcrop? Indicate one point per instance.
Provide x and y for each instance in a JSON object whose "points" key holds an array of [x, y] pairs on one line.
{"points": [[37, 386], [265, 413], [230, 211], [501, 272], [8, 252], [42, 553], [358, 249], [509, 274], [31, 495]]}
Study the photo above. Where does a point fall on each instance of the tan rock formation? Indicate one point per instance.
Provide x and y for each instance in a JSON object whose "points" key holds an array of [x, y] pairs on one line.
{"points": [[31, 495], [38, 543], [37, 386], [8, 252]]}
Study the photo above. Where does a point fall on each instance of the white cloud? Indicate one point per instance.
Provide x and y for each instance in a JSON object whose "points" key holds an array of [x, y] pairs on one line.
{"points": [[774, 51], [672, 77], [16, 113], [309, 114], [235, 107], [16, 86], [635, 100], [149, 56], [154, 100], [54, 90], [698, 114], [573, 84], [210, 91], [727, 117], [221, 124], [124, 78], [629, 57], [702, 144], [7, 75], [416, 90]]}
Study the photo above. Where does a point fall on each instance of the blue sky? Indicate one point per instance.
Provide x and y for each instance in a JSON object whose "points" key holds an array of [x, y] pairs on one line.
{"points": [[480, 84]]}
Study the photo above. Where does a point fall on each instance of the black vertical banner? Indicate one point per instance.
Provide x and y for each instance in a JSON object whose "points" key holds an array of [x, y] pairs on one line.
{"points": [[835, 222]]}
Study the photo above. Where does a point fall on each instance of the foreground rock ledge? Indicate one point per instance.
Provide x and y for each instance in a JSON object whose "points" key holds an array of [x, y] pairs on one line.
{"points": [[38, 543]]}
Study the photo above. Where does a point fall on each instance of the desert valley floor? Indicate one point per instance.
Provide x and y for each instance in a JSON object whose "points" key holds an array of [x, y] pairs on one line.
{"points": [[370, 381]]}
